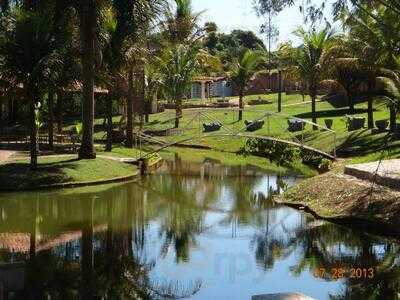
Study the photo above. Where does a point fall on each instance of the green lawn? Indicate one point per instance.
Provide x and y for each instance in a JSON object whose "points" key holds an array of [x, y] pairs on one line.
{"points": [[320, 139], [359, 145], [59, 171]]}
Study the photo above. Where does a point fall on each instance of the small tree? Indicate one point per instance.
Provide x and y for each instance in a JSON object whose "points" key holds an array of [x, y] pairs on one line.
{"points": [[242, 70], [178, 65], [313, 59]]}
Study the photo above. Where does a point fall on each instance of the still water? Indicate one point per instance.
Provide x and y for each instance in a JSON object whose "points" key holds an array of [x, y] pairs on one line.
{"points": [[199, 231]]}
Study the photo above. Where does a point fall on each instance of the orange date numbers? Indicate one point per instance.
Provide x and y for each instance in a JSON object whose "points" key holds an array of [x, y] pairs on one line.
{"points": [[341, 273]]}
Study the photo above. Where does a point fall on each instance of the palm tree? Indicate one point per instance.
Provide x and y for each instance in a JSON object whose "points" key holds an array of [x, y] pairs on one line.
{"points": [[88, 24], [313, 59], [178, 65], [180, 25], [242, 70], [28, 51], [389, 86], [375, 47]]}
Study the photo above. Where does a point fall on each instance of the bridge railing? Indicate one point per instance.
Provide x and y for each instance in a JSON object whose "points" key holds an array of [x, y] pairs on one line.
{"points": [[276, 126]]}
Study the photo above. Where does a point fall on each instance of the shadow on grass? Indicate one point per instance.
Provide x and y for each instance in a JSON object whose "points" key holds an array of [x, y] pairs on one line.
{"points": [[332, 113], [362, 143], [14, 176]]}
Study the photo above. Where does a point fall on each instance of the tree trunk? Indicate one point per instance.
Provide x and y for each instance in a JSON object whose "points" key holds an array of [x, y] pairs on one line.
{"points": [[147, 114], [33, 135], [59, 112], [280, 91], [314, 109], [143, 107], [351, 104], [109, 116], [51, 119], [129, 118], [370, 113], [178, 111], [10, 112], [88, 33], [392, 118], [241, 105]]}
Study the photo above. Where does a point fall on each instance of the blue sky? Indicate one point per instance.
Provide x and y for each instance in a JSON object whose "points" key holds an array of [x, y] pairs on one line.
{"points": [[240, 14]]}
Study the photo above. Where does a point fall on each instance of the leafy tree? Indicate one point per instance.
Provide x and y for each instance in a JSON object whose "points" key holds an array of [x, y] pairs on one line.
{"points": [[28, 52], [241, 72], [228, 46], [373, 44], [126, 27]]}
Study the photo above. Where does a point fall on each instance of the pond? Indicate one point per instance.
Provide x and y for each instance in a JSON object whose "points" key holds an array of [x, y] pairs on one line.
{"points": [[192, 230]]}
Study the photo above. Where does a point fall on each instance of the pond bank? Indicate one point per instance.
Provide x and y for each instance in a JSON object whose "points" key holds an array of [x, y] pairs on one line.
{"points": [[344, 199], [58, 172]]}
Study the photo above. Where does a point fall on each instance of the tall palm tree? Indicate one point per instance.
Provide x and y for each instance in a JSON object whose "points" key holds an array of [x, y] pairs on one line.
{"points": [[88, 23], [242, 70], [313, 59]]}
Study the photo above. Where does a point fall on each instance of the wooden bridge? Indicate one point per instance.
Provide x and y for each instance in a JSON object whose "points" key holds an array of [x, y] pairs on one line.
{"points": [[199, 125]]}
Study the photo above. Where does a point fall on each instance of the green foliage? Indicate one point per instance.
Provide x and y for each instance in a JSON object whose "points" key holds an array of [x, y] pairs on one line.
{"points": [[177, 66], [313, 57], [244, 67], [325, 165], [228, 46], [279, 153], [28, 50], [152, 159], [38, 120], [181, 25], [78, 129]]}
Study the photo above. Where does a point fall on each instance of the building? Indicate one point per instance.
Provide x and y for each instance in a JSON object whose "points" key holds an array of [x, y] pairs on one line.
{"points": [[263, 82], [208, 87]]}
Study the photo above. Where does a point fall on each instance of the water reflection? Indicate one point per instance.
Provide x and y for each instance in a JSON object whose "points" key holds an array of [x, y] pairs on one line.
{"points": [[204, 231]]}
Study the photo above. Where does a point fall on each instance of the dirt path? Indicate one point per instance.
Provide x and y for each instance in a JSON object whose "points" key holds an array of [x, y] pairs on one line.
{"points": [[5, 155]]}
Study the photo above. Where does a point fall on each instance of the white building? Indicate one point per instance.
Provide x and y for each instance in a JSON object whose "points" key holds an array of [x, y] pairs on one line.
{"points": [[208, 87]]}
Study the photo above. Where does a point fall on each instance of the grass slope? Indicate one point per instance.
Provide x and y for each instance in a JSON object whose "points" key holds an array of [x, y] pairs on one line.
{"points": [[60, 170]]}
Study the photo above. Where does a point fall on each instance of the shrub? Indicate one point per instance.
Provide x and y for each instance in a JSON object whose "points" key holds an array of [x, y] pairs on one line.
{"points": [[281, 154]]}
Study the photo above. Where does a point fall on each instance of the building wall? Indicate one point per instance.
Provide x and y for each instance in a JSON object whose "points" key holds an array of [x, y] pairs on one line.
{"points": [[220, 89], [213, 89], [196, 90], [263, 83]]}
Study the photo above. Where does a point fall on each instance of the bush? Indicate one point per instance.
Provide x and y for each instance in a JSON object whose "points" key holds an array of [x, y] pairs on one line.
{"points": [[325, 165], [281, 154], [316, 161]]}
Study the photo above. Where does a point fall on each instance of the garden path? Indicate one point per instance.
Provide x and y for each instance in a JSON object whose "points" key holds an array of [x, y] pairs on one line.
{"points": [[5, 155]]}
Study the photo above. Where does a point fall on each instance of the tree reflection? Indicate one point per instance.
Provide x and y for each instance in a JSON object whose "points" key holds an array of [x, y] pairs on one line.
{"points": [[319, 244], [99, 244]]}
